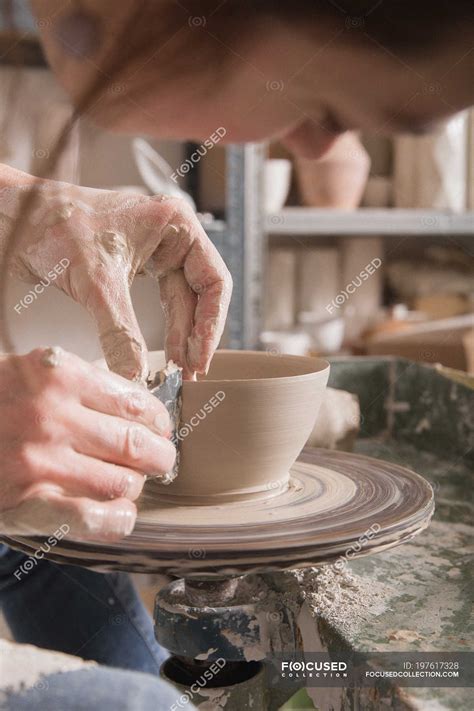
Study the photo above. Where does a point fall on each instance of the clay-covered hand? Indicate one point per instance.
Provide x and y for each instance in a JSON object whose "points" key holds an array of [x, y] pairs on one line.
{"points": [[101, 239], [76, 444]]}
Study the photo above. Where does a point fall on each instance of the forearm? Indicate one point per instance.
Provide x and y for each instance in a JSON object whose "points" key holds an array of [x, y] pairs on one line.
{"points": [[13, 185], [46, 207]]}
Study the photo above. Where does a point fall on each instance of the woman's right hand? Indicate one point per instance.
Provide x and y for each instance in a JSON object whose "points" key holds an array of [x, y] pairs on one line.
{"points": [[76, 443]]}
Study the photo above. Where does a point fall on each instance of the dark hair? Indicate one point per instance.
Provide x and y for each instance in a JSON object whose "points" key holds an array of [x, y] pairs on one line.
{"points": [[402, 24]]}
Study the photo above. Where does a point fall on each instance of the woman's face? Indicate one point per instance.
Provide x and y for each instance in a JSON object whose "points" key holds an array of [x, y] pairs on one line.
{"points": [[305, 91], [302, 86]]}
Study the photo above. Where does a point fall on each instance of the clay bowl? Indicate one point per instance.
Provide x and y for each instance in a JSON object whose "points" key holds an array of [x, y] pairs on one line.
{"points": [[243, 425]]}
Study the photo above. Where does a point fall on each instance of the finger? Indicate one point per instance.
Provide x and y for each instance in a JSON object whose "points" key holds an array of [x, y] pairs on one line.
{"points": [[119, 442], [183, 243], [179, 303], [122, 342], [80, 475], [106, 392], [208, 276], [113, 395], [50, 511]]}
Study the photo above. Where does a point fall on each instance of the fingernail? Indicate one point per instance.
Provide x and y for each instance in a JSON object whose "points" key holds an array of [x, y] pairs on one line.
{"points": [[101, 523], [131, 487]]}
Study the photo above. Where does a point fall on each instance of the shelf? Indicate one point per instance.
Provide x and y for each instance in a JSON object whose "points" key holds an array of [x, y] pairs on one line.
{"points": [[212, 225], [369, 221]]}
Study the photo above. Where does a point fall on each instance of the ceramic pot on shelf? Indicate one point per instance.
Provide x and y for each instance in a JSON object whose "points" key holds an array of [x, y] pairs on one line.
{"points": [[430, 172], [276, 183], [337, 180]]}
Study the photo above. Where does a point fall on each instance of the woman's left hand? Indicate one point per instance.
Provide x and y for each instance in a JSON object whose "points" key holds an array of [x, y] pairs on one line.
{"points": [[105, 238]]}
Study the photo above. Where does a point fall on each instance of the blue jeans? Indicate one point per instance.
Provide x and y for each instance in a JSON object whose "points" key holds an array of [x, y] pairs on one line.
{"points": [[92, 615]]}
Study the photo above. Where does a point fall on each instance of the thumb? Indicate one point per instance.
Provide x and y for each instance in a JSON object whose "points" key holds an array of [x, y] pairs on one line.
{"points": [[123, 345]]}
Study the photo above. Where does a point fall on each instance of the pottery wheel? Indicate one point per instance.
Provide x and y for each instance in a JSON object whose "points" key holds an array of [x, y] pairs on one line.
{"points": [[336, 502]]}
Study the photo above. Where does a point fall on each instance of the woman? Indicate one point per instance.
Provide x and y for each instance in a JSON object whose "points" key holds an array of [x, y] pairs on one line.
{"points": [[261, 70], [77, 442]]}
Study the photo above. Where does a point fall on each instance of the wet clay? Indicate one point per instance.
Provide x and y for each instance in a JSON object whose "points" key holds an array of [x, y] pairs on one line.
{"points": [[113, 243], [51, 357], [123, 350], [59, 214]]}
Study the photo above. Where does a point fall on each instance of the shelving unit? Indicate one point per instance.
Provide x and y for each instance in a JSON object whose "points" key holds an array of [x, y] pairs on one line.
{"points": [[241, 241], [369, 221], [243, 235]]}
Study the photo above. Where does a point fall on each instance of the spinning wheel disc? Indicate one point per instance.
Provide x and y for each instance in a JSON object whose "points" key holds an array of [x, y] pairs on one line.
{"points": [[336, 502]]}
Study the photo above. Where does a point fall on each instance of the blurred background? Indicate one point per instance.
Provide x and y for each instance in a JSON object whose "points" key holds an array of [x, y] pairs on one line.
{"points": [[366, 251]]}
